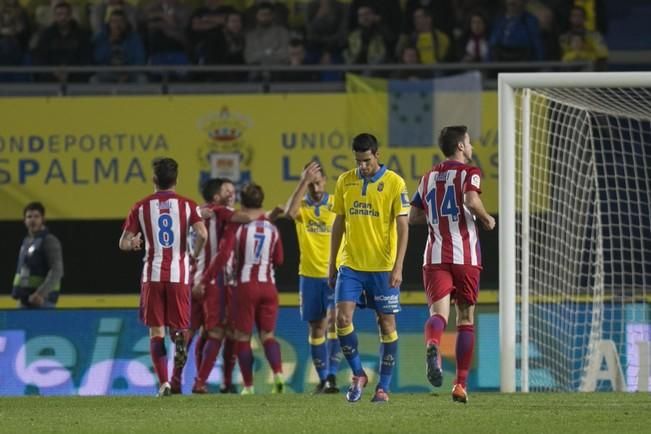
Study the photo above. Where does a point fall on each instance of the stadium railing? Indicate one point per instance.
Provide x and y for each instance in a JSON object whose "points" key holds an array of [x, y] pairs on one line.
{"points": [[177, 79]]}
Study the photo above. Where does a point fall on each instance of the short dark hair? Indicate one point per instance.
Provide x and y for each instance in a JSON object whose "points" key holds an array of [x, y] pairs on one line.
{"points": [[233, 12], [34, 206], [578, 8], [426, 11], [211, 187], [166, 171], [252, 196], [266, 5], [365, 142], [369, 5], [478, 13], [296, 42], [450, 137], [118, 13], [64, 5]]}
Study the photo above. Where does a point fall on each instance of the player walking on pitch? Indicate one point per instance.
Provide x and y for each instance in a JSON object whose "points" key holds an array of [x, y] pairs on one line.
{"points": [[165, 219], [371, 204], [447, 200]]}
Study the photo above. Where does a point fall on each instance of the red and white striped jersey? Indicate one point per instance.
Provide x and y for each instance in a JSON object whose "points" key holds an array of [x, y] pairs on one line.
{"points": [[215, 224], [256, 248], [452, 230], [164, 218]]}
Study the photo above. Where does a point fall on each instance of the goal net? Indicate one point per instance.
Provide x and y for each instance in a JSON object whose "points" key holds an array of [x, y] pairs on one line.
{"points": [[580, 224]]}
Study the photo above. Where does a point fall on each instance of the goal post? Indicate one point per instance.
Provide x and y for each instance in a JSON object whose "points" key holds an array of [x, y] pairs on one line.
{"points": [[574, 230]]}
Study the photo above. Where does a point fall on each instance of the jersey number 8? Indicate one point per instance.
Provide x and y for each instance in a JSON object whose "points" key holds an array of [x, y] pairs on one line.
{"points": [[165, 233]]}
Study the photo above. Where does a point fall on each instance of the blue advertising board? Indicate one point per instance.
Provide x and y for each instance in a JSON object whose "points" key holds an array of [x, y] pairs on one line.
{"points": [[106, 352]]}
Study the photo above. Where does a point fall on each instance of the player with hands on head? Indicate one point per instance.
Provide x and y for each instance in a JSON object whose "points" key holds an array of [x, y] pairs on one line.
{"points": [[310, 206]]}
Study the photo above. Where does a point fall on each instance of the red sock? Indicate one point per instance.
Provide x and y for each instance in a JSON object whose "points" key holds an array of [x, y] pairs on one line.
{"points": [[159, 357], [198, 351], [210, 352], [465, 346], [245, 357], [229, 361], [434, 327], [272, 352]]}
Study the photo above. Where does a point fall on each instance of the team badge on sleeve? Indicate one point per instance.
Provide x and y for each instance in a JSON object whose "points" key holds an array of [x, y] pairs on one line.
{"points": [[475, 180], [404, 197]]}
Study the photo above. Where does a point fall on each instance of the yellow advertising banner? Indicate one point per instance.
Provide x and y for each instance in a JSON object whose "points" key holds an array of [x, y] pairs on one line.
{"points": [[90, 158]]}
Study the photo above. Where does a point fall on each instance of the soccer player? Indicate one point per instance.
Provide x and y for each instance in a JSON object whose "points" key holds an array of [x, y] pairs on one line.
{"points": [[447, 200], [257, 250], [371, 204], [165, 219], [208, 311], [228, 353], [313, 216]]}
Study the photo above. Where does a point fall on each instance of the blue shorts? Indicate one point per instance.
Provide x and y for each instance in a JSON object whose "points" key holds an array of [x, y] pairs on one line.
{"points": [[367, 289], [316, 297]]}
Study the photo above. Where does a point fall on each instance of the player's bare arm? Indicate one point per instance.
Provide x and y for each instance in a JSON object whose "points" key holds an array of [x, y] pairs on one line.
{"points": [[338, 229], [472, 200], [130, 241], [309, 175], [247, 215], [201, 237], [241, 217], [417, 216], [275, 213], [253, 213], [402, 226]]}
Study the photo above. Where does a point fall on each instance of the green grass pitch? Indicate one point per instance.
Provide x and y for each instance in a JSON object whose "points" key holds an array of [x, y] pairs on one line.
{"points": [[294, 413]]}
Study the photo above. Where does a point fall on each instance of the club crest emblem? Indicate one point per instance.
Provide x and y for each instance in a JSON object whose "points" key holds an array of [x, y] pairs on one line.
{"points": [[225, 152]]}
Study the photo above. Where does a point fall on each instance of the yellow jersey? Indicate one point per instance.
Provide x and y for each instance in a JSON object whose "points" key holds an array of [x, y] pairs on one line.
{"points": [[432, 50], [370, 207], [313, 229]]}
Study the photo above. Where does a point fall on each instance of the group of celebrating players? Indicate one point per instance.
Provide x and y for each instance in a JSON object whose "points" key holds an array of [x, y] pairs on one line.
{"points": [[227, 258]]}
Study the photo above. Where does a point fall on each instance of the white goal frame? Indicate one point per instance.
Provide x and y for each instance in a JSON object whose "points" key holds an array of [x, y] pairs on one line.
{"points": [[507, 84]]}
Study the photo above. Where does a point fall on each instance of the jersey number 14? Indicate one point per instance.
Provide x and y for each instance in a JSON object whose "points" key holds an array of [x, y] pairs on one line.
{"points": [[449, 206]]}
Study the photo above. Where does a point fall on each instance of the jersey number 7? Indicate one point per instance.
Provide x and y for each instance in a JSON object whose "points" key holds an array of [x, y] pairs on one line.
{"points": [[259, 242]]}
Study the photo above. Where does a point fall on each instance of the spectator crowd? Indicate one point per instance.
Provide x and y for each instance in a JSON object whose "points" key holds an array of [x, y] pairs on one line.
{"points": [[296, 32]]}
